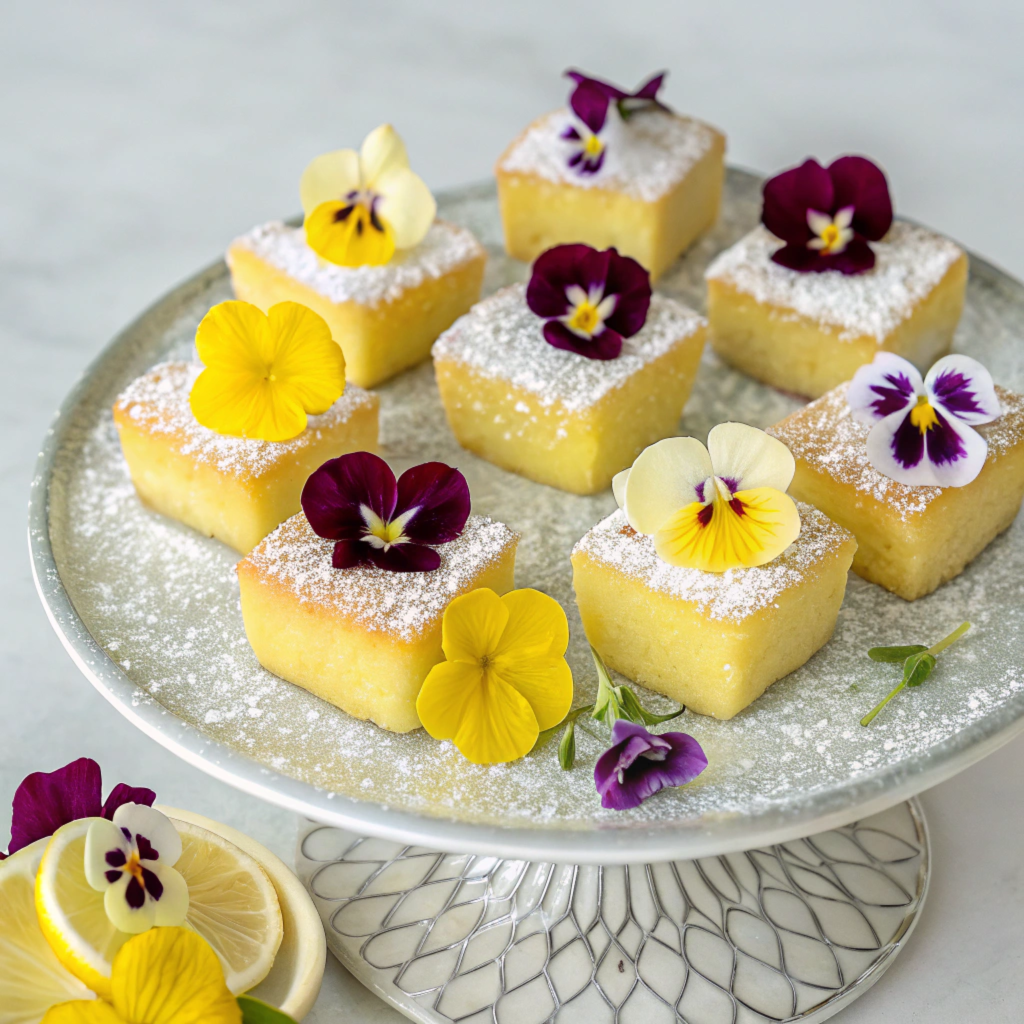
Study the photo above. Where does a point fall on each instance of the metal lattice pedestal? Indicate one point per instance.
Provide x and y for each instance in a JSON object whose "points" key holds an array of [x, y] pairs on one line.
{"points": [[789, 932]]}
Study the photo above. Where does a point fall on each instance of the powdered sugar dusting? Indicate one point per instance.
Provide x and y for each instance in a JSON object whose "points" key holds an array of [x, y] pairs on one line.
{"points": [[733, 595], [910, 262], [501, 338], [445, 248], [402, 605], [825, 435], [158, 401], [647, 156]]}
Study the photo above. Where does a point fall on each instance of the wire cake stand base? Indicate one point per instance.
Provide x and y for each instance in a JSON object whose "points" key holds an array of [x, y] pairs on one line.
{"points": [[791, 932]]}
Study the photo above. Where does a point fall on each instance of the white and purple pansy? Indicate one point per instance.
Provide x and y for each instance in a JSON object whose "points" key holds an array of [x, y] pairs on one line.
{"points": [[922, 431], [589, 300], [131, 861]]}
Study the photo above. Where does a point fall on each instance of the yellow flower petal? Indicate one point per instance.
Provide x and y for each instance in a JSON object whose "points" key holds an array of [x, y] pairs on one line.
{"points": [[235, 336], [545, 683], [382, 151], [750, 457], [488, 720], [536, 627], [306, 357], [242, 406], [663, 480], [765, 525], [352, 239], [406, 206], [171, 976], [472, 626], [82, 1011], [329, 178]]}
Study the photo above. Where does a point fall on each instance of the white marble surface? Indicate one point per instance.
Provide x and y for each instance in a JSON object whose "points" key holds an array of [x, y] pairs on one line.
{"points": [[139, 138]]}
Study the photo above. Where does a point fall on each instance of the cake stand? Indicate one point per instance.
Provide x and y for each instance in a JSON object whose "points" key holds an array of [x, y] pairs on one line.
{"points": [[778, 886]]}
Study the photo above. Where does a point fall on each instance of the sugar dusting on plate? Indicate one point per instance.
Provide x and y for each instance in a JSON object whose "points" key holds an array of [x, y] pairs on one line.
{"points": [[403, 605], [444, 248], [910, 262], [502, 339], [733, 595], [647, 156]]}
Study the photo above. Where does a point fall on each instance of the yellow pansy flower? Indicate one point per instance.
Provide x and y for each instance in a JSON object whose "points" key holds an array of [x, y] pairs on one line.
{"points": [[715, 508], [361, 207], [163, 976], [265, 372], [505, 678]]}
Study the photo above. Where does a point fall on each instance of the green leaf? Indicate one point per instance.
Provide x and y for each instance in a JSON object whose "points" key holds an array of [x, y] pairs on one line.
{"points": [[255, 1011], [918, 668], [895, 653], [543, 737], [606, 706], [567, 747], [636, 712]]}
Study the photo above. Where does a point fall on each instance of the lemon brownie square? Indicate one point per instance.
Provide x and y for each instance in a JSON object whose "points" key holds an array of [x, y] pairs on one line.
{"points": [[385, 318], [555, 416], [712, 641], [807, 332], [910, 539], [235, 489], [657, 192], [362, 638]]}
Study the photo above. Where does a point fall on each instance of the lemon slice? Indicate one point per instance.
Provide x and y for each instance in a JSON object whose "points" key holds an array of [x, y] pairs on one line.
{"points": [[232, 904], [31, 977]]}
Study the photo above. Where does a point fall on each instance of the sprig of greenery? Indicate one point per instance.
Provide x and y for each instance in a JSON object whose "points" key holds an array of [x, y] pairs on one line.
{"points": [[255, 1011], [918, 664]]}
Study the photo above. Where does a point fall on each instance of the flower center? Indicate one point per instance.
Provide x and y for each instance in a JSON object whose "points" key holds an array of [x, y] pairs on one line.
{"points": [[923, 415], [587, 310], [584, 318], [593, 146], [831, 235], [361, 208], [382, 533]]}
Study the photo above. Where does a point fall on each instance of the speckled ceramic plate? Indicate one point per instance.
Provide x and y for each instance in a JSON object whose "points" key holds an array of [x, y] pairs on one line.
{"points": [[149, 611]]}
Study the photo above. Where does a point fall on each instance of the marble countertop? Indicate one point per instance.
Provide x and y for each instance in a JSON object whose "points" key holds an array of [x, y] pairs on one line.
{"points": [[139, 139]]}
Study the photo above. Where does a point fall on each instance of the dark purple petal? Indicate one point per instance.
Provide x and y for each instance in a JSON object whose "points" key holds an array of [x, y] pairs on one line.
{"points": [[590, 103], [789, 195], [856, 258], [405, 558], [349, 553], [613, 92], [645, 95], [152, 883], [944, 443], [46, 800], [953, 390], [572, 135], [111, 876], [797, 257], [557, 269], [861, 184], [907, 444], [606, 345], [134, 894], [146, 849], [892, 399], [116, 858], [124, 794], [441, 495], [650, 89], [334, 493], [631, 284], [590, 164]]}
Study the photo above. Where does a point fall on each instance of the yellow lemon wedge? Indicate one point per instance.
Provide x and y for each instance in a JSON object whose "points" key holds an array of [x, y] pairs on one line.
{"points": [[31, 977], [232, 904]]}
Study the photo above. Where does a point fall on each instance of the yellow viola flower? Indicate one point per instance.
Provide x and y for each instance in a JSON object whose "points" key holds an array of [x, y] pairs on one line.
{"points": [[361, 207], [505, 679], [163, 976], [265, 372], [715, 508]]}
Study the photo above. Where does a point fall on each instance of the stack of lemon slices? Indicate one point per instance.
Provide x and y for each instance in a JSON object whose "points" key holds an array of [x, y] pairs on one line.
{"points": [[57, 944]]}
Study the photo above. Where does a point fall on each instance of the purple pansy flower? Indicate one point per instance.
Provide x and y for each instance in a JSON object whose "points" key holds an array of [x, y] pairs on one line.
{"points": [[639, 763], [827, 216], [46, 800], [590, 102], [131, 861], [922, 430], [377, 520], [590, 300]]}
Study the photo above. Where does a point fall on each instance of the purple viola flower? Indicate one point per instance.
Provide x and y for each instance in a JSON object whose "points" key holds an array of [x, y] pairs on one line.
{"points": [[377, 520], [827, 216], [639, 763], [47, 800], [922, 431], [589, 300]]}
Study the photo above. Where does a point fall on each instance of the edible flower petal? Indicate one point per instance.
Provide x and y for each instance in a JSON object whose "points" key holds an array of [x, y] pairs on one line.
{"points": [[589, 300], [47, 800], [378, 520], [827, 216], [164, 976], [361, 207], [715, 508], [505, 677], [922, 430], [130, 860], [639, 763], [265, 373]]}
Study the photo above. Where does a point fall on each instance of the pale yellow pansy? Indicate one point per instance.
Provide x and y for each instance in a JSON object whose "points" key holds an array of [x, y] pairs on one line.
{"points": [[361, 207], [715, 508]]}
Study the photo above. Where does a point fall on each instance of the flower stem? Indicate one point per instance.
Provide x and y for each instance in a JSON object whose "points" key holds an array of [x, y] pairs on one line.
{"points": [[870, 716], [951, 639]]}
